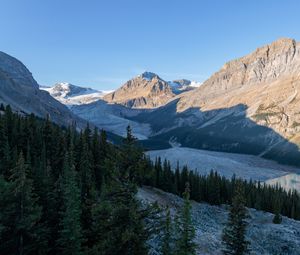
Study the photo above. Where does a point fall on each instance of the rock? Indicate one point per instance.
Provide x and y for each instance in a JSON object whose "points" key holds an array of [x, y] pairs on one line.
{"points": [[144, 91], [266, 81], [19, 89]]}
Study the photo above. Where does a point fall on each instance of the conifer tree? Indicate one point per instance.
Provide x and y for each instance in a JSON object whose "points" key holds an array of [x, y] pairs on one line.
{"points": [[167, 240], [4, 151], [234, 232], [70, 234], [131, 157], [158, 172], [21, 213], [88, 192], [185, 244], [177, 179], [277, 217]]}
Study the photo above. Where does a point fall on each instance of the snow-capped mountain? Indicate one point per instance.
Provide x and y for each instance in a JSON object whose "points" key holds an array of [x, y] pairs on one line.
{"points": [[70, 94]]}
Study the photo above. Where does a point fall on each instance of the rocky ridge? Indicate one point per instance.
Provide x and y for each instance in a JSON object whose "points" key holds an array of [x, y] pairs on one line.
{"points": [[19, 89], [266, 81]]}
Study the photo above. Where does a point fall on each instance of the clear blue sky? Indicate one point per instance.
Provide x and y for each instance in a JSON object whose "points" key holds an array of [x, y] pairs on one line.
{"points": [[102, 44]]}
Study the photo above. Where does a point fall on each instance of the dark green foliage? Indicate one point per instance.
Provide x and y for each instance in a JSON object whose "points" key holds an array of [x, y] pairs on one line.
{"points": [[185, 244], [78, 192], [20, 213], [70, 234], [167, 235], [277, 217], [215, 189], [125, 232], [234, 232]]}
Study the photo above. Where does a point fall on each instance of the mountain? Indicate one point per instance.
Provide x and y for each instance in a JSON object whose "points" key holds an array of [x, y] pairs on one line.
{"points": [[147, 90], [251, 105], [19, 89], [266, 81], [70, 94], [180, 86]]}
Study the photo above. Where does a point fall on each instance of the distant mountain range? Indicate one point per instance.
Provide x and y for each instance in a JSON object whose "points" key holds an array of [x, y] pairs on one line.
{"points": [[148, 91], [251, 105], [70, 94]]}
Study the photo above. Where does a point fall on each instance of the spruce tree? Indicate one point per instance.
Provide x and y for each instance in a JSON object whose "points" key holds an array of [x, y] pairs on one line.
{"points": [[88, 192], [185, 244], [167, 240], [131, 157], [70, 239], [277, 217], [234, 232]]}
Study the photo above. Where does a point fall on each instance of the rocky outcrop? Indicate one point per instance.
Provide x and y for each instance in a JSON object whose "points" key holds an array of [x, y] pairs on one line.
{"points": [[144, 91]]}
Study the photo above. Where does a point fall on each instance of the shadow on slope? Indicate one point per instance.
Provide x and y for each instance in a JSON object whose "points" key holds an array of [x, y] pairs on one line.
{"points": [[226, 130]]}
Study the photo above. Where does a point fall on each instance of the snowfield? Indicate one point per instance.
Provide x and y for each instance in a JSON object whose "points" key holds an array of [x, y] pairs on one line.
{"points": [[265, 237], [243, 166], [69, 94]]}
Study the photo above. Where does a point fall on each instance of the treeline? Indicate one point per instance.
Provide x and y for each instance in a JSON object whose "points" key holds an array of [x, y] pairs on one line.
{"points": [[215, 189], [68, 192]]}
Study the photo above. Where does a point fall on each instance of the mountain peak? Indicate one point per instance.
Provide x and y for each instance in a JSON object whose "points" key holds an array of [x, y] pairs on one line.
{"points": [[147, 90], [281, 42], [16, 70], [148, 75]]}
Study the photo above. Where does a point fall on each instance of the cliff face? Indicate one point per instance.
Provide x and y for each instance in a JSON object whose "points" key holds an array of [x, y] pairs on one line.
{"points": [[19, 89], [145, 91], [266, 81]]}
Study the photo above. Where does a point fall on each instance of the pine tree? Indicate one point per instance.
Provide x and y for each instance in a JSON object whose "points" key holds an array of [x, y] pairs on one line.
{"points": [[186, 232], [234, 232], [70, 234]]}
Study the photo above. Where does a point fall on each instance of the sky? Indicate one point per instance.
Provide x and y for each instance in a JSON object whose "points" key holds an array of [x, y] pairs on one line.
{"points": [[104, 43]]}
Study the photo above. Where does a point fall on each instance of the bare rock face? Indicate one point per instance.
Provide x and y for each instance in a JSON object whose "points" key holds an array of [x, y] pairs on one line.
{"points": [[144, 91], [16, 71], [266, 81], [19, 90]]}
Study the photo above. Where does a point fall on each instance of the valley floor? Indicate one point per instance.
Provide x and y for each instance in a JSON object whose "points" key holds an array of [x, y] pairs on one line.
{"points": [[227, 164], [265, 237]]}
